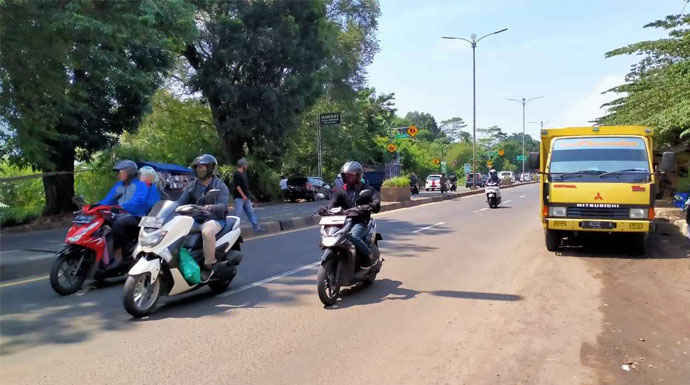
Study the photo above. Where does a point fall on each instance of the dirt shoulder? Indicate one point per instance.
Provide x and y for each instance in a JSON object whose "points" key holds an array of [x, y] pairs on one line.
{"points": [[645, 336]]}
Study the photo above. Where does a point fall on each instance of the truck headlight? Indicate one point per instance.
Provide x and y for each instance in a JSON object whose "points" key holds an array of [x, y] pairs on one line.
{"points": [[557, 211], [152, 238], [639, 213]]}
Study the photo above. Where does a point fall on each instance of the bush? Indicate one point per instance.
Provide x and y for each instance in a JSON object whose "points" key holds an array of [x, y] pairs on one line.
{"points": [[23, 200], [684, 184], [401, 181]]}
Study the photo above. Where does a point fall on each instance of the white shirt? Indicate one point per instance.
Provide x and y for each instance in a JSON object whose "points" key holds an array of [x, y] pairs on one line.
{"points": [[283, 184]]}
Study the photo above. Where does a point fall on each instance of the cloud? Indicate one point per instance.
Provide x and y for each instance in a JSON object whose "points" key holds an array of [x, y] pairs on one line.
{"points": [[587, 108]]}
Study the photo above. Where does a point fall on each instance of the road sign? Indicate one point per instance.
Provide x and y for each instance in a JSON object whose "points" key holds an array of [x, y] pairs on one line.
{"points": [[467, 167], [329, 118], [489, 164], [392, 147], [501, 152], [401, 136], [519, 158], [412, 130], [437, 162]]}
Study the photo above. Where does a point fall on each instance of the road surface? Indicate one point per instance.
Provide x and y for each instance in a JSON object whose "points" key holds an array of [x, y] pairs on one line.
{"points": [[467, 295]]}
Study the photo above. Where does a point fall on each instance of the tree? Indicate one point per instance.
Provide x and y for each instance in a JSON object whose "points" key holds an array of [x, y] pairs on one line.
{"points": [[453, 128], [261, 64], [657, 89], [424, 121], [75, 74]]}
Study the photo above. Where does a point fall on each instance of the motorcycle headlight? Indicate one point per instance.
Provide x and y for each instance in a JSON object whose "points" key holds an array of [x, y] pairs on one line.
{"points": [[151, 239], [557, 211], [639, 213]]}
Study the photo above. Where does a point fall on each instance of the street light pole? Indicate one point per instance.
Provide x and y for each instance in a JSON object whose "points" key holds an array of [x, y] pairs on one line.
{"points": [[524, 102], [473, 42]]}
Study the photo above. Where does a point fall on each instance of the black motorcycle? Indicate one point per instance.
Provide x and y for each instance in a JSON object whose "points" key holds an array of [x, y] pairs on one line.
{"points": [[340, 263]]}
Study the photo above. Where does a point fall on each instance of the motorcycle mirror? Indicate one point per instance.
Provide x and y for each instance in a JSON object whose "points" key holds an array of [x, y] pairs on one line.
{"points": [[365, 194], [78, 200], [212, 196], [320, 196]]}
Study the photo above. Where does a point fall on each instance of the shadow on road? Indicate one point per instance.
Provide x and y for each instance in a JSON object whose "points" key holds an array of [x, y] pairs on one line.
{"points": [[390, 290], [665, 243]]}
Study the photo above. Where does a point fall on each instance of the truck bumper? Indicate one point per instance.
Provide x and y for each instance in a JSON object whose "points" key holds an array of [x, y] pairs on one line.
{"points": [[607, 225]]}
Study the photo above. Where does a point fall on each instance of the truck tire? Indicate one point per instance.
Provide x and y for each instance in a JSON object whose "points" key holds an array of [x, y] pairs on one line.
{"points": [[553, 240], [639, 244]]}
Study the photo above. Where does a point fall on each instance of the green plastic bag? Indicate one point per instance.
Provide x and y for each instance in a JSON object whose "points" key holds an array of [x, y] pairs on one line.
{"points": [[190, 269]]}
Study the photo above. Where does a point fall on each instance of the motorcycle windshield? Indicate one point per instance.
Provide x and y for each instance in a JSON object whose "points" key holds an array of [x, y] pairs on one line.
{"points": [[163, 209]]}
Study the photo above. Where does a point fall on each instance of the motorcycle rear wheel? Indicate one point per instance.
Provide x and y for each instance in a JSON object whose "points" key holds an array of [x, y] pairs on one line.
{"points": [[140, 295], [67, 275], [327, 295]]}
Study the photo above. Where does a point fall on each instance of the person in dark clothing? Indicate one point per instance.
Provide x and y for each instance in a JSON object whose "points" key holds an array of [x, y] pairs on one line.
{"points": [[241, 194], [493, 177], [359, 201], [204, 167], [444, 184]]}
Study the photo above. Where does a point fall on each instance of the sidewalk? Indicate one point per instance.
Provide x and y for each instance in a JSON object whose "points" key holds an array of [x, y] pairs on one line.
{"points": [[25, 254]]}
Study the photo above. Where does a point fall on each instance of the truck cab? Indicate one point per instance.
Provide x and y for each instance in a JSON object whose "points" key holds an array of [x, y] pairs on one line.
{"points": [[596, 179]]}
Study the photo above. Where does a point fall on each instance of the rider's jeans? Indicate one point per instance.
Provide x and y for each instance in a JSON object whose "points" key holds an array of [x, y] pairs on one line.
{"points": [[356, 236]]}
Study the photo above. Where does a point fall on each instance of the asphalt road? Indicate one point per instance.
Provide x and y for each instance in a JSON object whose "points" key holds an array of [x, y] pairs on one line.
{"points": [[467, 294]]}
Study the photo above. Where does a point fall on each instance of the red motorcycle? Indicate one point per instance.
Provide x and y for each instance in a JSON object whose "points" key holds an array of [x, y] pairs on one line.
{"points": [[88, 250]]}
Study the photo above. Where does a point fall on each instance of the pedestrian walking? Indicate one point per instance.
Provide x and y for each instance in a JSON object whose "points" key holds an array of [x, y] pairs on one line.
{"points": [[241, 194]]}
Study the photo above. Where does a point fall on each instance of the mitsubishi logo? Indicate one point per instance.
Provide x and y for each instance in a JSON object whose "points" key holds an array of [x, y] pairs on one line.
{"points": [[598, 197]]}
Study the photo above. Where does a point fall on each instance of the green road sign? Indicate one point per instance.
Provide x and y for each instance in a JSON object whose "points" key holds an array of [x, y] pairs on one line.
{"points": [[519, 158], [401, 136]]}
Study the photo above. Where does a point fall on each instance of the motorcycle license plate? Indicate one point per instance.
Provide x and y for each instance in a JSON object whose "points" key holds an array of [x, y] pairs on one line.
{"points": [[333, 220], [151, 222], [597, 225]]}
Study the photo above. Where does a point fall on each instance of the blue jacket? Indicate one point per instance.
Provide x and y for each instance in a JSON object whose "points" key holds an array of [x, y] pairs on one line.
{"points": [[152, 196], [132, 197]]}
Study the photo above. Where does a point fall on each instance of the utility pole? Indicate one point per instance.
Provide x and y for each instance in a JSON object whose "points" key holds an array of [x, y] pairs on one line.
{"points": [[473, 42], [524, 102]]}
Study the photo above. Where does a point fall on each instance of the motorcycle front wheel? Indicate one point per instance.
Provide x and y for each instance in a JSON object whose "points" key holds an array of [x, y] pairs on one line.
{"points": [[141, 295], [69, 271], [327, 294]]}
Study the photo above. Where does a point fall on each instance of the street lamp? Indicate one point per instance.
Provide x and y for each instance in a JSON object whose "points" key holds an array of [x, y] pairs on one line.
{"points": [[523, 101], [473, 42]]}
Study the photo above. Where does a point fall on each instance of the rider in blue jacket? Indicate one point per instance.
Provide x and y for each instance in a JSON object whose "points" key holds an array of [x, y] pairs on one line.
{"points": [[131, 194]]}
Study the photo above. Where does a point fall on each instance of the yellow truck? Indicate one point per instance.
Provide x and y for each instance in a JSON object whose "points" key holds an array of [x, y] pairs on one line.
{"points": [[596, 179]]}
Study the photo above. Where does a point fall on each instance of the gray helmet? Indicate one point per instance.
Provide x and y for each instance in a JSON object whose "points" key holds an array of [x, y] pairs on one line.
{"points": [[242, 162], [352, 167], [208, 160], [128, 166]]}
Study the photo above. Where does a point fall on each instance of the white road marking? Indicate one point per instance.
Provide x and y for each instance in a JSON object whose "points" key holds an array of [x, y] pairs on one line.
{"points": [[484, 209], [23, 281], [428, 227], [522, 196], [508, 201], [270, 279]]}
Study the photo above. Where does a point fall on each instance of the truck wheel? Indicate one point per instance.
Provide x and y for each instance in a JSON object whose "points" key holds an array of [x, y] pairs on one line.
{"points": [[553, 240], [639, 244]]}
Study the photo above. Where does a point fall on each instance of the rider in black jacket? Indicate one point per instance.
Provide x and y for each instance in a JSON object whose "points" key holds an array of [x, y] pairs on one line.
{"points": [[358, 200]]}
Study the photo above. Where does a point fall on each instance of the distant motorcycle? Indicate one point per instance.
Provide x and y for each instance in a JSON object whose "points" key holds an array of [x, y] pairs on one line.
{"points": [[340, 263], [414, 189], [493, 194]]}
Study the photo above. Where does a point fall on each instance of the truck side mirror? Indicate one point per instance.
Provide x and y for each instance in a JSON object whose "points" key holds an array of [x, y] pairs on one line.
{"points": [[668, 162], [533, 161]]}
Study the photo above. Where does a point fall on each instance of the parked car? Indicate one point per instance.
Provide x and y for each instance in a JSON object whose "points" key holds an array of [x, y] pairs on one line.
{"points": [[506, 176], [433, 182], [525, 177], [479, 180], [309, 188]]}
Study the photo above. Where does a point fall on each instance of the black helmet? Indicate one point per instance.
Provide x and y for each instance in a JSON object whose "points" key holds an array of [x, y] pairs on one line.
{"points": [[352, 167], [128, 166], [209, 161]]}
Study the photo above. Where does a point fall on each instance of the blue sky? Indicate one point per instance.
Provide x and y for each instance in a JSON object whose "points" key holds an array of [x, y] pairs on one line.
{"points": [[552, 48]]}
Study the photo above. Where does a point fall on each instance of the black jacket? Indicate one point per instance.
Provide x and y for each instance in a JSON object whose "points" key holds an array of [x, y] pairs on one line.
{"points": [[364, 200], [195, 194]]}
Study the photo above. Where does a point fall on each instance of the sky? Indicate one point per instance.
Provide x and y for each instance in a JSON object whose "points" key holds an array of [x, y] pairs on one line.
{"points": [[553, 49]]}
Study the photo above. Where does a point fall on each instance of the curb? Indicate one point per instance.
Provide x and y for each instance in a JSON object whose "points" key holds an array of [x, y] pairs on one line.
{"points": [[31, 268]]}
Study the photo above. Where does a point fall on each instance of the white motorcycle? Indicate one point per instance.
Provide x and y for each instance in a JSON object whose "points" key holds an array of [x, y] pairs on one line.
{"points": [[493, 194], [164, 233]]}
